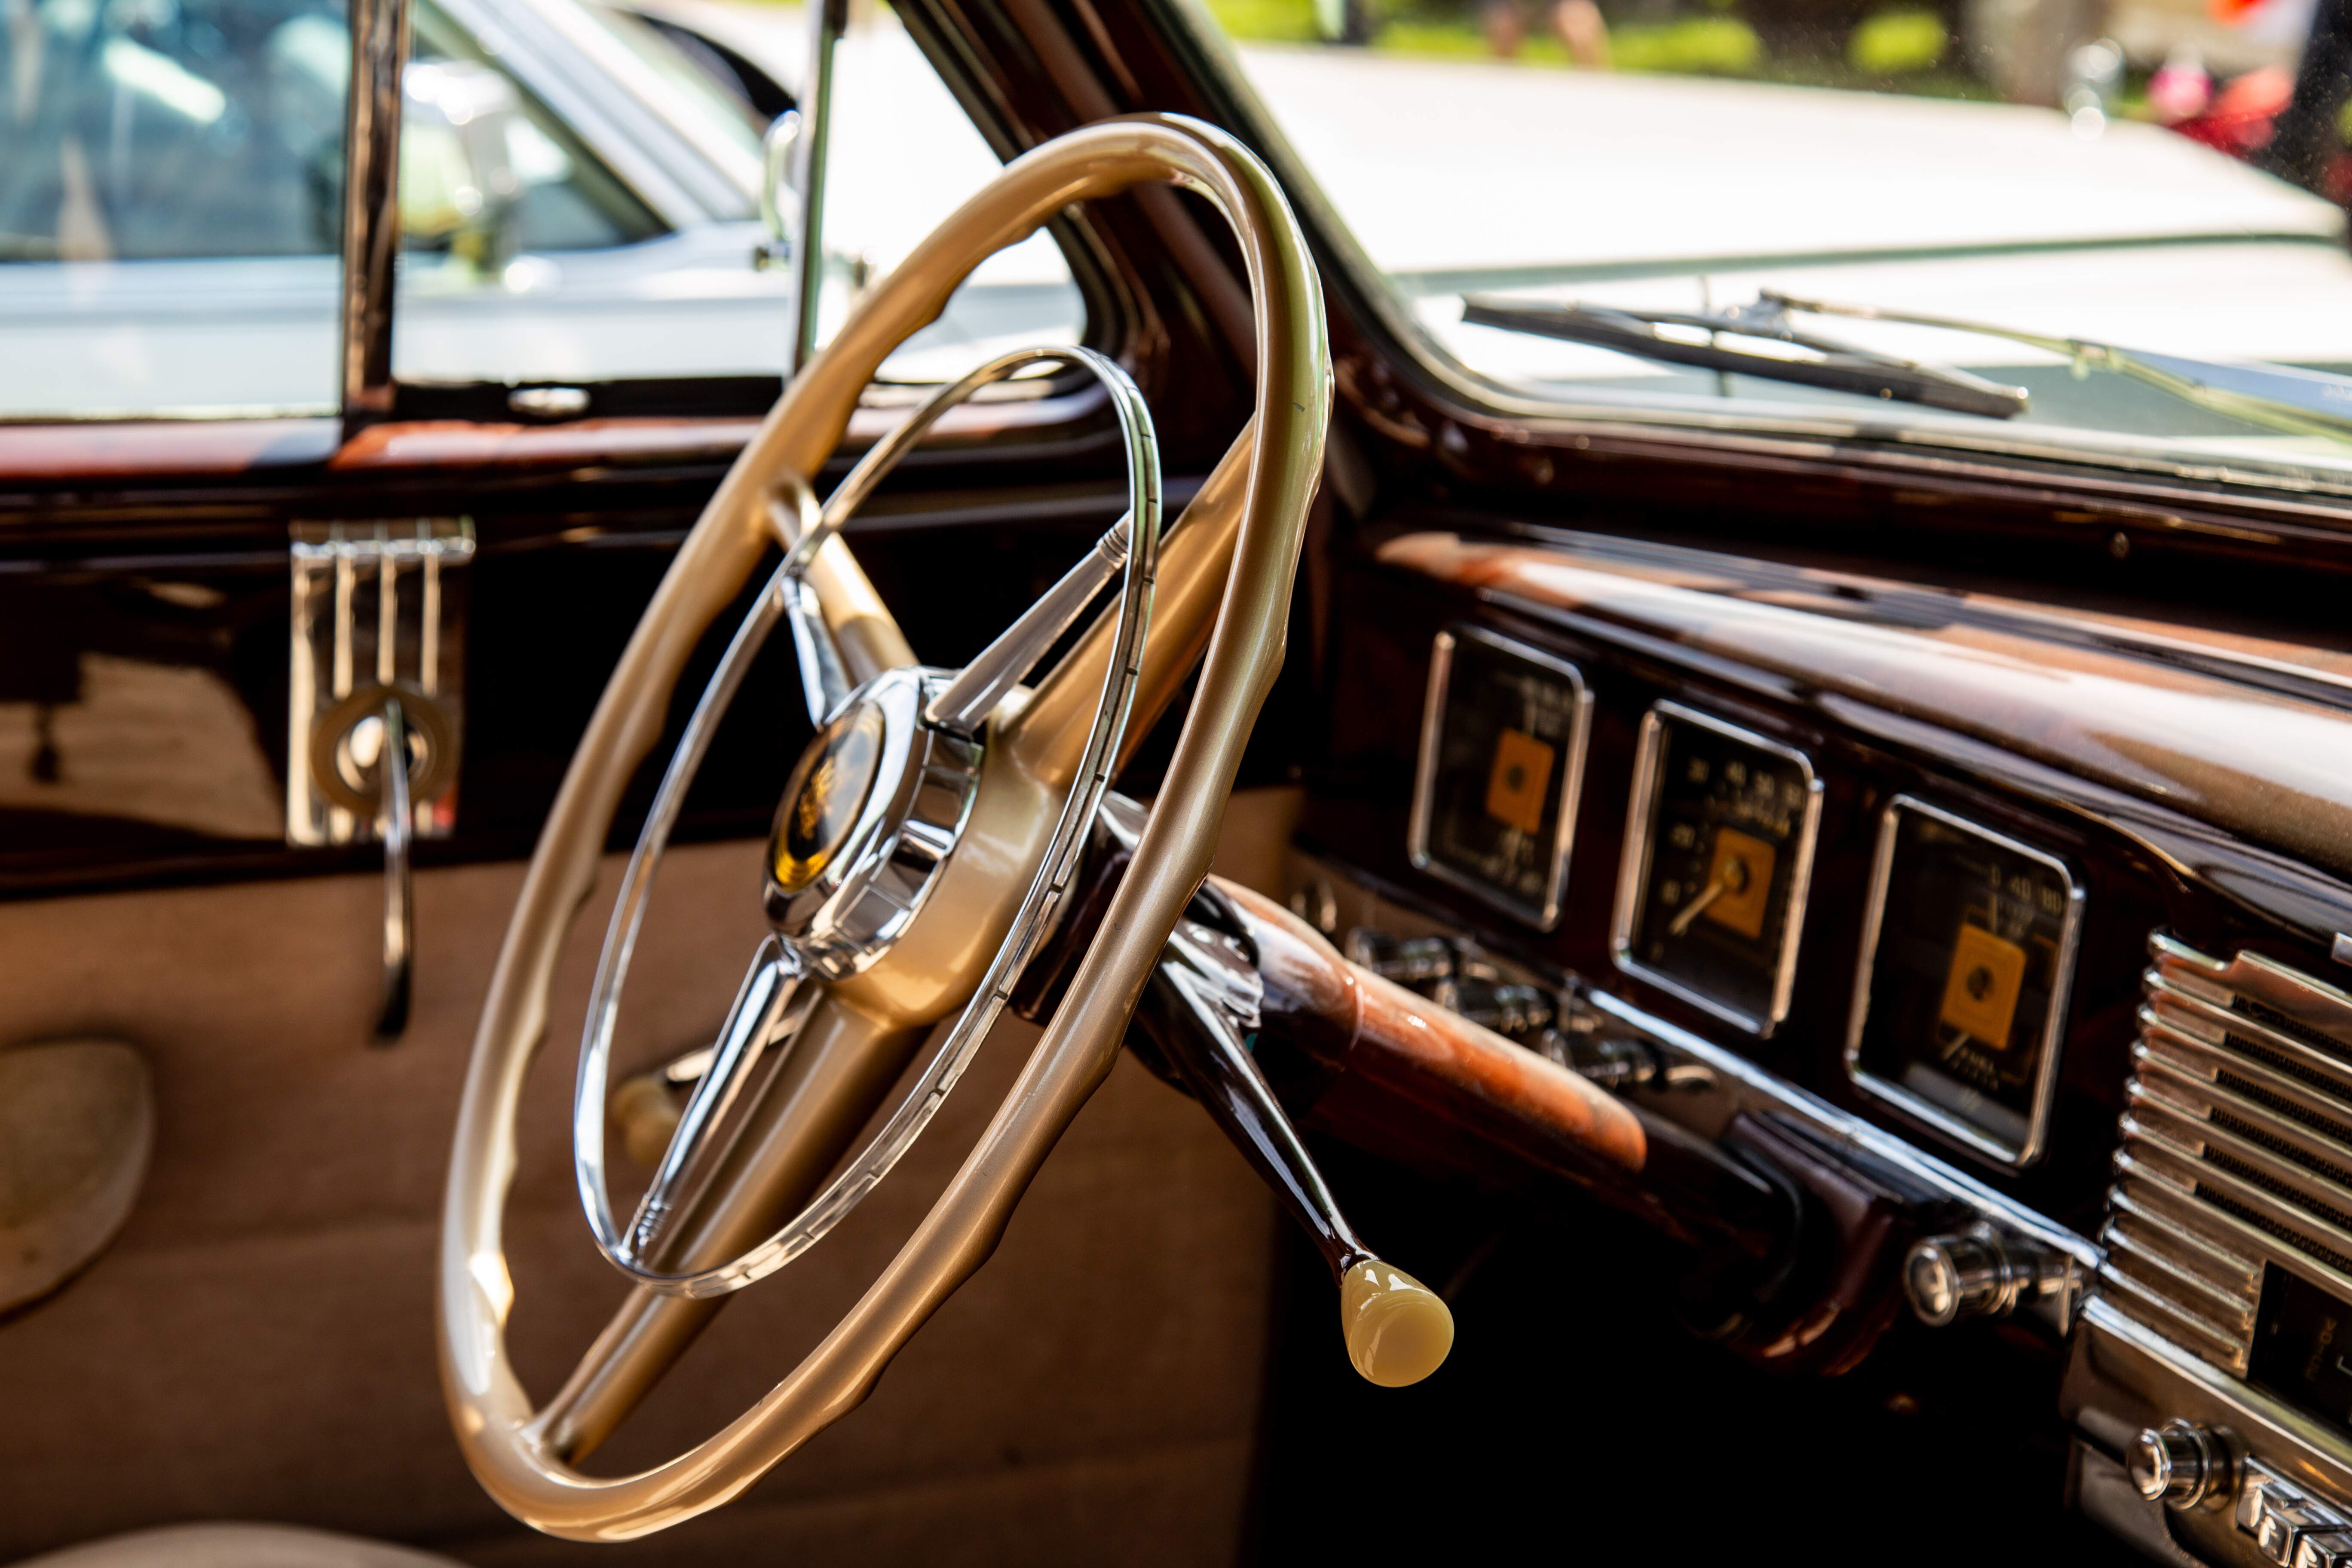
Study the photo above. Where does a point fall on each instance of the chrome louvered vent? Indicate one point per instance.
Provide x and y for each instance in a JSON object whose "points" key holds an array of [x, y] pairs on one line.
{"points": [[2237, 1147]]}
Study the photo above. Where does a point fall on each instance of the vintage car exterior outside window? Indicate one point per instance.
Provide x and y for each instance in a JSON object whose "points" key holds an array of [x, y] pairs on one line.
{"points": [[578, 199], [1523, 176], [158, 153]]}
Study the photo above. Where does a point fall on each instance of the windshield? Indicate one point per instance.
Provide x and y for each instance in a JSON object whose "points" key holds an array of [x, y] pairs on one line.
{"points": [[2160, 177]]}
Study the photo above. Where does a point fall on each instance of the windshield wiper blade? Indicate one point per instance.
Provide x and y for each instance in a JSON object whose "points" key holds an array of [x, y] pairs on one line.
{"points": [[1840, 367], [2277, 397]]}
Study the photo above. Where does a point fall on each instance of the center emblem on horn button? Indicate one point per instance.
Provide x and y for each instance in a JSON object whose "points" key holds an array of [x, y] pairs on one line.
{"points": [[826, 793]]}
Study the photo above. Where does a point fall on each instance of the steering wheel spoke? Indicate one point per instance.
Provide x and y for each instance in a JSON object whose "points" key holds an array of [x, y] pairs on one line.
{"points": [[1046, 738], [841, 1064], [762, 1015], [968, 700]]}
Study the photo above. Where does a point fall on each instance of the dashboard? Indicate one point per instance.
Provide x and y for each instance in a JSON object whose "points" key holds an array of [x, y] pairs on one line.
{"points": [[1955, 890]]}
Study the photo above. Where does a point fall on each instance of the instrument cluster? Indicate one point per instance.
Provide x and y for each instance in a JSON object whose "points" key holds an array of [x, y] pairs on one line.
{"points": [[1969, 933]]}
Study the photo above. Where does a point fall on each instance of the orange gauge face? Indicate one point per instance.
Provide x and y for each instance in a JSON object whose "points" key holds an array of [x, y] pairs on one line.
{"points": [[1980, 989], [1968, 951], [1713, 903], [1743, 870], [1502, 746], [1519, 781]]}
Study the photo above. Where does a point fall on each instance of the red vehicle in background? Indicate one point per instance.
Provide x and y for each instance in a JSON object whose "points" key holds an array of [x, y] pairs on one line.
{"points": [[2289, 122]]}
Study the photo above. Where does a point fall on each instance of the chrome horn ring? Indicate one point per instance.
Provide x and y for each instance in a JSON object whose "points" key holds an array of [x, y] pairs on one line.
{"points": [[946, 727]]}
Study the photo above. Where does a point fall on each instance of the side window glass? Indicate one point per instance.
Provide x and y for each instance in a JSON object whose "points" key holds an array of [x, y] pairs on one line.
{"points": [[578, 190], [169, 177], [580, 186]]}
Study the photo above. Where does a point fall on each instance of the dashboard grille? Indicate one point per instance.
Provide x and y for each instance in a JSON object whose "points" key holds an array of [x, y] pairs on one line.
{"points": [[2237, 1147]]}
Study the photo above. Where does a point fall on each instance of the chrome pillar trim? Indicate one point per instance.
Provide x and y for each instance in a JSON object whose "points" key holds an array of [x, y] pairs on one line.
{"points": [[397, 822], [873, 884], [779, 151], [828, 20], [370, 206]]}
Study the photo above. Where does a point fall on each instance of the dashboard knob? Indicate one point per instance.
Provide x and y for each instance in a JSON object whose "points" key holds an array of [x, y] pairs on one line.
{"points": [[2179, 1464], [1949, 1278], [1979, 1273]]}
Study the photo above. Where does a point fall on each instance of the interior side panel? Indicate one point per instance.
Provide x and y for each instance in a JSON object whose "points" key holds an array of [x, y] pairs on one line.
{"points": [[259, 1338]]}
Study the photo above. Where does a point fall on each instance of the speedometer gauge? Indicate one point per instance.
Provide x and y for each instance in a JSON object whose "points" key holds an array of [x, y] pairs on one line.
{"points": [[1968, 949], [1502, 750], [1718, 851]]}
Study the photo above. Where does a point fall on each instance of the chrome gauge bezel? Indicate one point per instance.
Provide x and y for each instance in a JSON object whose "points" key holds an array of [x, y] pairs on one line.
{"points": [[1544, 916], [1976, 1139], [1641, 834]]}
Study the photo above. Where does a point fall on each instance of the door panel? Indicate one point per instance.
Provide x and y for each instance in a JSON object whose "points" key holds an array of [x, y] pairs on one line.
{"points": [[258, 1342]]}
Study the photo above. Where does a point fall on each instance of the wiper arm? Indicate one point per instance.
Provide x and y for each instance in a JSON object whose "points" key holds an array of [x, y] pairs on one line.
{"points": [[2298, 402], [1840, 367]]}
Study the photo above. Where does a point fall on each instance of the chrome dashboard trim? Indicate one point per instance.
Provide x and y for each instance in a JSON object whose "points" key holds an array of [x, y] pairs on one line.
{"points": [[1633, 871], [2054, 1028], [2322, 1453], [1758, 1089], [1545, 916]]}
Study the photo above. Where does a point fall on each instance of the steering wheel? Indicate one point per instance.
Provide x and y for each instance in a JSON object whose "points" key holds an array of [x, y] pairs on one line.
{"points": [[921, 843]]}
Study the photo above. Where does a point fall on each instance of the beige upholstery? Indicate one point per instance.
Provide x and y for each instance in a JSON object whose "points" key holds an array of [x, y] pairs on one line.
{"points": [[236, 1546], [258, 1342]]}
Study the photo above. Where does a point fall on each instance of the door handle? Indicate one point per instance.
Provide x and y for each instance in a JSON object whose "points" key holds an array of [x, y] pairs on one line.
{"points": [[397, 821]]}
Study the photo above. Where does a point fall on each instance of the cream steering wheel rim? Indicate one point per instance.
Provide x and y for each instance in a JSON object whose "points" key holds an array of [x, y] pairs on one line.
{"points": [[1256, 507]]}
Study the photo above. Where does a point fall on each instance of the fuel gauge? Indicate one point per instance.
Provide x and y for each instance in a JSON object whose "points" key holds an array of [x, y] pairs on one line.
{"points": [[1718, 852]]}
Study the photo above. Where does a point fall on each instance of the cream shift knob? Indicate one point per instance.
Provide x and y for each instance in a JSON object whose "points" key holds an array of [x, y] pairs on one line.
{"points": [[1398, 1330]]}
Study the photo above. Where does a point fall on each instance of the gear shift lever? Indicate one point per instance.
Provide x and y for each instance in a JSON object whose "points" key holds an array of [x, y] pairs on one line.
{"points": [[1200, 1009]]}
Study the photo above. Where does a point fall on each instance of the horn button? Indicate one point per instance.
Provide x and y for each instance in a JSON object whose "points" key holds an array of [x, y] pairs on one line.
{"points": [[869, 817]]}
